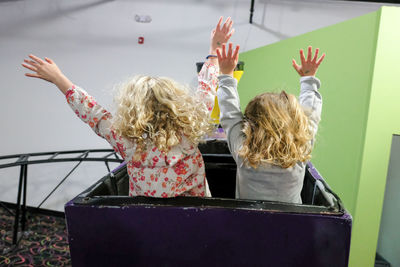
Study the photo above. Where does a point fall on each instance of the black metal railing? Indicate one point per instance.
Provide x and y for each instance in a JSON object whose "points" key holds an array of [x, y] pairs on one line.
{"points": [[26, 159]]}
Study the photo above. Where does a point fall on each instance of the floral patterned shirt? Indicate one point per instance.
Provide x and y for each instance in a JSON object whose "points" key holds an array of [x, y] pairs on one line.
{"points": [[180, 172]]}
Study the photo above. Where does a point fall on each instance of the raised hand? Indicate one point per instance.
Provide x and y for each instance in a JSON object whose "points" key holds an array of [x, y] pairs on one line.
{"points": [[227, 61], [46, 70], [310, 65], [220, 35]]}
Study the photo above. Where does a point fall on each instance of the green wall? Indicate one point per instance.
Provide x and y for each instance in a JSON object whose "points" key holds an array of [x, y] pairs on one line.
{"points": [[353, 141]]}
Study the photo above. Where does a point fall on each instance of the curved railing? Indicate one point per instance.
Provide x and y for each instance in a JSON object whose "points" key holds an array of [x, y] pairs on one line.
{"points": [[26, 159]]}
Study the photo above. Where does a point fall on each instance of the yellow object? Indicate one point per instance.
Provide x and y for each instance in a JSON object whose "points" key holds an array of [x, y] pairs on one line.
{"points": [[237, 74]]}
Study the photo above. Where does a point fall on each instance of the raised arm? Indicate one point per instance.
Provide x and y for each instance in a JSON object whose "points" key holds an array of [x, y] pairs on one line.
{"points": [[228, 99], [207, 77], [84, 105], [310, 99]]}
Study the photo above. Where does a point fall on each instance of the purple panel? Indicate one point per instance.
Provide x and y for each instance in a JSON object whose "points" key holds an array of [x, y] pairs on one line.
{"points": [[140, 235]]}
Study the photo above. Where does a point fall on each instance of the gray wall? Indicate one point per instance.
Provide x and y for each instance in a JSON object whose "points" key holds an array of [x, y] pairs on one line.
{"points": [[95, 44], [389, 234]]}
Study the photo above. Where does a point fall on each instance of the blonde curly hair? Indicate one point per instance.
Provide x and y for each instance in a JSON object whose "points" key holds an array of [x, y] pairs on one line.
{"points": [[276, 131], [158, 111]]}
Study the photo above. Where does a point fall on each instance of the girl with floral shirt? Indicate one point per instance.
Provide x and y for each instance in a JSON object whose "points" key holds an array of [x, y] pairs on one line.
{"points": [[157, 126]]}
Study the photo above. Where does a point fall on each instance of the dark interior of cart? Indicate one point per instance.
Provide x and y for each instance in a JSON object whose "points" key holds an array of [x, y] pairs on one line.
{"points": [[221, 176]]}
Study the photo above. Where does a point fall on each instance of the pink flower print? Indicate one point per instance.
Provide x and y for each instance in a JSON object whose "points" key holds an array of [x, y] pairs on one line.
{"points": [[173, 157], [142, 178], [164, 195]]}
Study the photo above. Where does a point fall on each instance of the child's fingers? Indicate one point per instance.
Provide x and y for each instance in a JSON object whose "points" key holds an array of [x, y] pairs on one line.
{"points": [[32, 63], [302, 58], [316, 55], [49, 60], [320, 59], [225, 26], [219, 56], [223, 54], [236, 53], [29, 67], [230, 25], [230, 34], [32, 75], [295, 66], [219, 23], [35, 58], [229, 55], [309, 53]]}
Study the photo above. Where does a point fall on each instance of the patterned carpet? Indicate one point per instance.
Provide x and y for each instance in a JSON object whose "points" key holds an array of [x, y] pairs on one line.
{"points": [[44, 243]]}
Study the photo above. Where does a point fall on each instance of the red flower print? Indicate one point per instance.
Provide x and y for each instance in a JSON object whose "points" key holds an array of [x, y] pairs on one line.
{"points": [[136, 164], [95, 120], [84, 116], [180, 168], [121, 149], [153, 192], [165, 170], [91, 124], [152, 177], [134, 179], [131, 186], [142, 178], [154, 149], [155, 159], [166, 179], [77, 112], [164, 195], [179, 179], [173, 157], [143, 156], [164, 185]]}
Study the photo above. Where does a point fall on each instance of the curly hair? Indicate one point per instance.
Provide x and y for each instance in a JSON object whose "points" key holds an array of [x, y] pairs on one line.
{"points": [[276, 131], [160, 111]]}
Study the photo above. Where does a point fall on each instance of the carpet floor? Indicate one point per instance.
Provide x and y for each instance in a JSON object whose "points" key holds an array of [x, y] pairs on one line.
{"points": [[44, 242]]}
